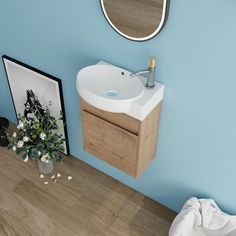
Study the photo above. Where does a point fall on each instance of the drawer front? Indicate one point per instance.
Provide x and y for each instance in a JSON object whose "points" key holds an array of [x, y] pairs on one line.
{"points": [[127, 122], [110, 143]]}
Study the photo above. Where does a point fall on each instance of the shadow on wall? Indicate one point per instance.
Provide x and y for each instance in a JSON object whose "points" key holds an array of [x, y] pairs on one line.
{"points": [[178, 199]]}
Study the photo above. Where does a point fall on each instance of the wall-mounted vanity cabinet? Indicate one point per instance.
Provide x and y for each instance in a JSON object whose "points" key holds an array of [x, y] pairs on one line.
{"points": [[119, 139]]}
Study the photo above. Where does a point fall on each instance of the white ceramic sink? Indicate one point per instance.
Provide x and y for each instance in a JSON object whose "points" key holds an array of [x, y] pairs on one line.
{"points": [[110, 88]]}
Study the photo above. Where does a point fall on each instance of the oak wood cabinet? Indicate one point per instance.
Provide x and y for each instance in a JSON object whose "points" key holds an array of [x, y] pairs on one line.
{"points": [[120, 140]]}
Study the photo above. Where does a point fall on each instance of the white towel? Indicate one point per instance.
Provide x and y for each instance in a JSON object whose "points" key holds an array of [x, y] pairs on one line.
{"points": [[202, 217]]}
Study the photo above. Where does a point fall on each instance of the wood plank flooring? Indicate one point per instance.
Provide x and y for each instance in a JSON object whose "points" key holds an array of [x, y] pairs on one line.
{"points": [[91, 204]]}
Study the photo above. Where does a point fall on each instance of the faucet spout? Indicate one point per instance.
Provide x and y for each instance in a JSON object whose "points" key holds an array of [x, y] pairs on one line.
{"points": [[150, 72], [140, 72]]}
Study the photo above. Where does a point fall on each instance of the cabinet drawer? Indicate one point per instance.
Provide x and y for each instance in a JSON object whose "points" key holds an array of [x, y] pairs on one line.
{"points": [[127, 122], [110, 143]]}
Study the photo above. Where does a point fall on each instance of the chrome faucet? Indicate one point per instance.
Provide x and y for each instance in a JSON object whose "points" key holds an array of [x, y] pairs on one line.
{"points": [[150, 72]]}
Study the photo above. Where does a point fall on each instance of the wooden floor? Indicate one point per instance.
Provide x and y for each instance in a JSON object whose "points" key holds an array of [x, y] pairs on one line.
{"points": [[90, 204]]}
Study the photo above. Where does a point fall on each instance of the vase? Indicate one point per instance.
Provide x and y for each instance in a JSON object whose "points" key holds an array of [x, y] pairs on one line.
{"points": [[45, 168], [4, 124]]}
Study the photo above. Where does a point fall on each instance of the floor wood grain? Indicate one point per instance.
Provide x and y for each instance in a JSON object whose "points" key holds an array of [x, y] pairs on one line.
{"points": [[92, 203]]}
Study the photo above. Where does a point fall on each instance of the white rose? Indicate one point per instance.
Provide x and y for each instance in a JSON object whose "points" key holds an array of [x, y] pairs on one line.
{"points": [[26, 159], [21, 124], [20, 144], [25, 139], [45, 158], [14, 148], [42, 136], [14, 135]]}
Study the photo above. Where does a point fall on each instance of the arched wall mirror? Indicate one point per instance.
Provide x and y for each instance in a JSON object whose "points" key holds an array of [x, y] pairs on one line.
{"points": [[137, 20]]}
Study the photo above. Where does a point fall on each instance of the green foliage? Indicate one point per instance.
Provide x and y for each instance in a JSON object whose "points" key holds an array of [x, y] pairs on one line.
{"points": [[37, 139], [40, 147]]}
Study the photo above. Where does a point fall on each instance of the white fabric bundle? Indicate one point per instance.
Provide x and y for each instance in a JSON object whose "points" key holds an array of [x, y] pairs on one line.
{"points": [[202, 217]]}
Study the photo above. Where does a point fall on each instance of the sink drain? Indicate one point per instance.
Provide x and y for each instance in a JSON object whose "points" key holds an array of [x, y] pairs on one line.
{"points": [[111, 93]]}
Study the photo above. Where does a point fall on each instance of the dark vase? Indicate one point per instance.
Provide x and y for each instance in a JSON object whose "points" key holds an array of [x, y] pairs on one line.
{"points": [[4, 124]]}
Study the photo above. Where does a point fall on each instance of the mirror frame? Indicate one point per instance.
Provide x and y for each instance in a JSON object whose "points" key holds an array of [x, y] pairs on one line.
{"points": [[165, 10]]}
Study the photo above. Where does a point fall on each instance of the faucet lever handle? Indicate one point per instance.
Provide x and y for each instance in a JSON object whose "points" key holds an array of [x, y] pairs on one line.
{"points": [[152, 62]]}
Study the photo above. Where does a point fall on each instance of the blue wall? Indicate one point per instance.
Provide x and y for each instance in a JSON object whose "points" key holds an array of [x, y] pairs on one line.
{"points": [[196, 54]]}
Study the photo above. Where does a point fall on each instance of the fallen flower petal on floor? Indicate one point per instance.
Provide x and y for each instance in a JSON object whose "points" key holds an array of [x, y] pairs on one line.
{"points": [[58, 175]]}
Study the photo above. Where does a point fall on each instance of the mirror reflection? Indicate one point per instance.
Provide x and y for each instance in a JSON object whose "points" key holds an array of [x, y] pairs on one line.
{"points": [[135, 19]]}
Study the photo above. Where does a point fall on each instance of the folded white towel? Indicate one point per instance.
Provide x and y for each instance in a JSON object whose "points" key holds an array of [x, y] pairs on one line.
{"points": [[202, 217]]}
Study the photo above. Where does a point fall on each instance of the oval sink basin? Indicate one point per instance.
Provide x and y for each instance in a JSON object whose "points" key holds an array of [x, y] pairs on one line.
{"points": [[108, 87]]}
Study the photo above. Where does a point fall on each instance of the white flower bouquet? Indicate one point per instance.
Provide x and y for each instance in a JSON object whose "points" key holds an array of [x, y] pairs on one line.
{"points": [[37, 139]]}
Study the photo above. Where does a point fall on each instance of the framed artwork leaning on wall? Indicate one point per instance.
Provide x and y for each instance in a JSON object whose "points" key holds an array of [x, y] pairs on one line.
{"points": [[32, 90]]}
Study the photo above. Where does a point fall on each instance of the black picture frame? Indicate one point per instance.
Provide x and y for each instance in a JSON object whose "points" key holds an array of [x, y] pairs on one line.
{"points": [[35, 73]]}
